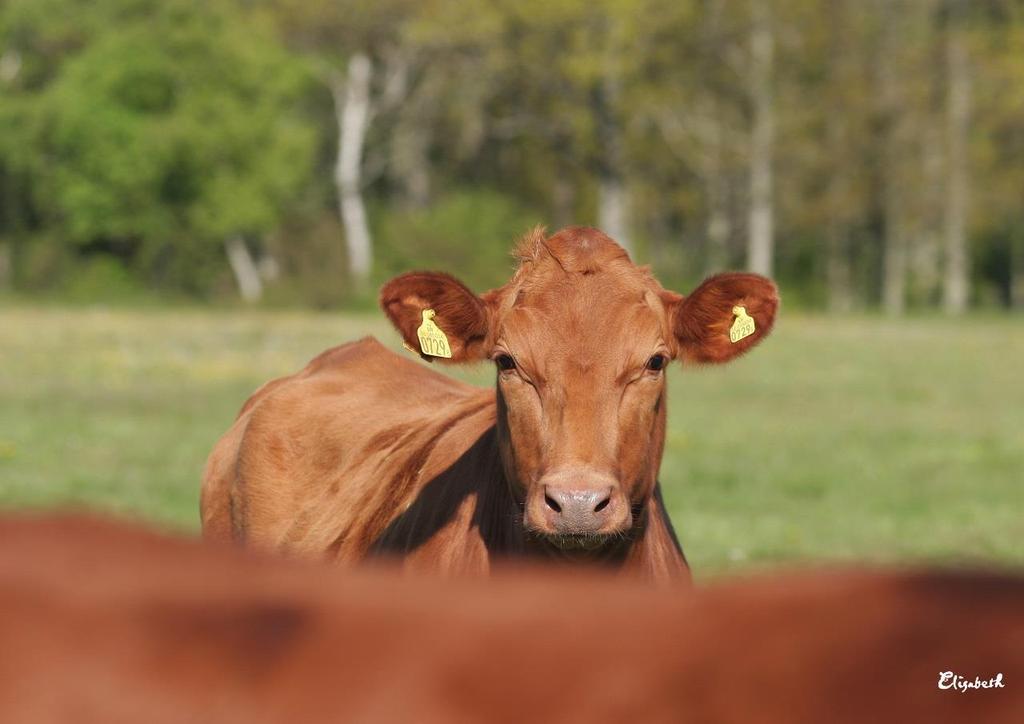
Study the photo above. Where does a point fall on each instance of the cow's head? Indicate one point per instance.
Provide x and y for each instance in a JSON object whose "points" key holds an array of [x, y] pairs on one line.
{"points": [[581, 338]]}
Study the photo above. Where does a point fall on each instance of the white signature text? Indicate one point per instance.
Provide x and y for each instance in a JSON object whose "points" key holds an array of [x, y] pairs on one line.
{"points": [[949, 680]]}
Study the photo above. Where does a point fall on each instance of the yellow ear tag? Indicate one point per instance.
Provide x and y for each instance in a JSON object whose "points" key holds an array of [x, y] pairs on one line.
{"points": [[742, 327], [432, 339]]}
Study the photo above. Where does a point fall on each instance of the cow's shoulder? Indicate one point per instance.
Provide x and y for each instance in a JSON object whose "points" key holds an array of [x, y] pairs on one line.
{"points": [[360, 372], [357, 429], [348, 355], [345, 396]]}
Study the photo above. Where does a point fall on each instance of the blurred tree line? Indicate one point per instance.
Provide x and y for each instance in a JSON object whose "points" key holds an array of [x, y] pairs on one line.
{"points": [[868, 153]]}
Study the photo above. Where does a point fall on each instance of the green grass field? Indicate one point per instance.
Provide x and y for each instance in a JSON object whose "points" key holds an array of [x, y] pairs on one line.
{"points": [[843, 439]]}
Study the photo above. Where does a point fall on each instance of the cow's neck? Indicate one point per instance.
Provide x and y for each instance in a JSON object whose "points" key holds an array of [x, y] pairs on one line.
{"points": [[461, 520], [656, 554]]}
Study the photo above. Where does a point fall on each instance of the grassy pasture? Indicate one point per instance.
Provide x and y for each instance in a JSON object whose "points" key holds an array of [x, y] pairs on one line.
{"points": [[838, 439]]}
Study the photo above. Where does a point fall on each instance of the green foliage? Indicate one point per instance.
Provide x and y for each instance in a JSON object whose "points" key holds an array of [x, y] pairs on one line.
{"points": [[159, 140], [467, 233], [152, 131], [102, 277], [310, 250]]}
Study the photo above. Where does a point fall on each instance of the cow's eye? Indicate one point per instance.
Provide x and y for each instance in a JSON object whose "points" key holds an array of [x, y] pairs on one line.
{"points": [[505, 362], [656, 363]]}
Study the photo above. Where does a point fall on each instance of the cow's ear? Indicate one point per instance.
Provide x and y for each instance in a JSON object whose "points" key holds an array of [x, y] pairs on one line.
{"points": [[459, 314], [723, 317]]}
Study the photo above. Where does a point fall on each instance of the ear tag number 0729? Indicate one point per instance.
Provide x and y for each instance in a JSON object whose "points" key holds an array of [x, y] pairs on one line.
{"points": [[433, 341], [742, 327]]}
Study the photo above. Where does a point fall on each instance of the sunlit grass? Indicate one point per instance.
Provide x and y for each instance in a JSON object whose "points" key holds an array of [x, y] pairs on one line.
{"points": [[855, 438]]}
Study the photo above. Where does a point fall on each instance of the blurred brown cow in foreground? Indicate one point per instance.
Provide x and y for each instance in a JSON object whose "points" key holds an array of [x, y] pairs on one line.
{"points": [[106, 623], [365, 453]]}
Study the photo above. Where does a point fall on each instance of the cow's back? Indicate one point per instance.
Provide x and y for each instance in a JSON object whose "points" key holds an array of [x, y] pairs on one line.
{"points": [[105, 623], [320, 462]]}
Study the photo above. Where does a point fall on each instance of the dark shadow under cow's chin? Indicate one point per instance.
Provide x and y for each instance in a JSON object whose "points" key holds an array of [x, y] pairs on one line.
{"points": [[578, 548], [581, 542]]}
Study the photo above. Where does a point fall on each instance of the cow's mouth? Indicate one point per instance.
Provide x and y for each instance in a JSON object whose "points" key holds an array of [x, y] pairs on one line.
{"points": [[588, 542], [578, 544]]}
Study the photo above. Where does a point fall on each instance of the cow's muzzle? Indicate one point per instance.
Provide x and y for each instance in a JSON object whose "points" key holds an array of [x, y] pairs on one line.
{"points": [[574, 503]]}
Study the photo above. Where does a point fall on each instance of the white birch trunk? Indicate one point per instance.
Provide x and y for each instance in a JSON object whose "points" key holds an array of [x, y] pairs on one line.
{"points": [[956, 288], [837, 266], [838, 272], [613, 198], [894, 151], [247, 274], [926, 247], [563, 196], [613, 210], [409, 148], [352, 110], [760, 225], [719, 227], [713, 168], [410, 164]]}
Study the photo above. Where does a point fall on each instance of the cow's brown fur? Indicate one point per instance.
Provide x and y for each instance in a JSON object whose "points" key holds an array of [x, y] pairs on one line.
{"points": [[109, 624], [365, 452]]}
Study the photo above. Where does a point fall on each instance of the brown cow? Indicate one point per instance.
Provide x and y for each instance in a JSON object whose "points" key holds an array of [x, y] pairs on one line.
{"points": [[106, 624], [364, 452]]}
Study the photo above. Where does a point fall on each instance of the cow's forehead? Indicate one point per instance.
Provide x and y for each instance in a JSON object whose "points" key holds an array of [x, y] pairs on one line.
{"points": [[600, 315], [578, 293], [615, 292]]}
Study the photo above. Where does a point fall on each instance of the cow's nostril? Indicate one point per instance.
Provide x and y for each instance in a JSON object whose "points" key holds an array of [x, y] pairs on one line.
{"points": [[552, 503], [603, 504]]}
